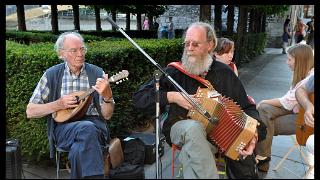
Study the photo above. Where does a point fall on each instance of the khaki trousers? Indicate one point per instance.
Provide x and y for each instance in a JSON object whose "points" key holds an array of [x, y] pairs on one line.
{"points": [[279, 121]]}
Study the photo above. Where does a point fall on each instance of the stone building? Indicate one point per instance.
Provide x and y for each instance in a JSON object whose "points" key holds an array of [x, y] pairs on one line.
{"points": [[183, 15]]}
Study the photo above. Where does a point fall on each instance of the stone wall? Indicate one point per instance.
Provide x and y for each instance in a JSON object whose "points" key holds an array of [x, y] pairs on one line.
{"points": [[183, 15], [274, 29]]}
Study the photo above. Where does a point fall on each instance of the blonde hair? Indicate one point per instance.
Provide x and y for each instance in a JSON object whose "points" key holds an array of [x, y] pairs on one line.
{"points": [[303, 61]]}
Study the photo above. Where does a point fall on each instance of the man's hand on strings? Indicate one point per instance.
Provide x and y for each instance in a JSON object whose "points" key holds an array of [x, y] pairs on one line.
{"points": [[67, 101]]}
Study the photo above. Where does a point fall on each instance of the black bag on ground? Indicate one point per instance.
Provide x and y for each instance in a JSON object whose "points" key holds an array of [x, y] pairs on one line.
{"points": [[127, 171], [242, 169], [133, 165], [149, 140]]}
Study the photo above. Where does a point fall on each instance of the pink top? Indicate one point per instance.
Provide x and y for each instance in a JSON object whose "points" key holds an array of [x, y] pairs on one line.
{"points": [[146, 25], [289, 101]]}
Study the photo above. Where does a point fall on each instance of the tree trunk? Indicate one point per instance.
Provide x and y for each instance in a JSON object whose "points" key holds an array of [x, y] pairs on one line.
{"points": [[21, 18], [259, 22], [76, 20], [54, 19], [98, 19], [150, 17], [217, 19], [252, 20], [139, 21], [240, 49], [114, 17], [230, 19], [264, 22], [128, 20], [205, 13]]}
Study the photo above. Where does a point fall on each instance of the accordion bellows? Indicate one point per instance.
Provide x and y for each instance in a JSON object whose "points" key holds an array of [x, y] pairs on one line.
{"points": [[234, 129]]}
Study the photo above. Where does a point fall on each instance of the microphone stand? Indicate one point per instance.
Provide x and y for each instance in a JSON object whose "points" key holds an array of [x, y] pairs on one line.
{"points": [[196, 105], [157, 75]]}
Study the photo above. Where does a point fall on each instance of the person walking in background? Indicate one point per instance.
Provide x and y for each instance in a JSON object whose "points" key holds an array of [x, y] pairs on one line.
{"points": [[286, 35], [146, 25], [170, 29], [155, 25], [310, 32], [300, 30], [279, 114]]}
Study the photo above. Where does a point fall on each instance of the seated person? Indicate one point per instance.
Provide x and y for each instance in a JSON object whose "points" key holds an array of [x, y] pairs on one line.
{"points": [[279, 114], [197, 152], [83, 139], [224, 53]]}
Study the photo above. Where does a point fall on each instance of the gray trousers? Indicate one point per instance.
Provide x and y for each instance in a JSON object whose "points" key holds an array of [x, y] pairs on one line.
{"points": [[279, 121], [197, 153]]}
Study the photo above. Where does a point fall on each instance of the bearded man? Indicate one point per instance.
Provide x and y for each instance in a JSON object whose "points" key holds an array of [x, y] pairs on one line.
{"points": [[197, 153]]}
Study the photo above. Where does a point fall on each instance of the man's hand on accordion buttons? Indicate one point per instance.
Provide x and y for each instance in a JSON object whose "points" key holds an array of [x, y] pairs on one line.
{"points": [[249, 149]]}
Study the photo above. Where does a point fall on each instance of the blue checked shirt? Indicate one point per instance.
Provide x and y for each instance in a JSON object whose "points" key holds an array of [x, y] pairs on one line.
{"points": [[70, 83]]}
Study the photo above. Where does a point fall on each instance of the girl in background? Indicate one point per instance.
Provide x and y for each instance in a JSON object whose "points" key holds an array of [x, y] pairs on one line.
{"points": [[224, 53]]}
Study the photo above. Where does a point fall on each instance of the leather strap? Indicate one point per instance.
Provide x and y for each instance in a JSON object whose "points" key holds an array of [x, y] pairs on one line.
{"points": [[178, 65]]}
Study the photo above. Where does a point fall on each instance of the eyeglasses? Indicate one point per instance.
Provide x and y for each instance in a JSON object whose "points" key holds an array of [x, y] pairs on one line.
{"points": [[73, 51], [193, 43]]}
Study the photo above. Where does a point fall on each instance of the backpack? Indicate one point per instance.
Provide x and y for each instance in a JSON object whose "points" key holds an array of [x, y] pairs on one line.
{"points": [[133, 165]]}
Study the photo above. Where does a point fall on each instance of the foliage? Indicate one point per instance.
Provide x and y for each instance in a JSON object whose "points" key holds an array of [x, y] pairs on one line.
{"points": [[270, 9], [153, 10]]}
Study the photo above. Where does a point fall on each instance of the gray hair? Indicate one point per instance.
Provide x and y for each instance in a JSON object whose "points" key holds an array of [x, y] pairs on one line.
{"points": [[211, 34], [59, 43]]}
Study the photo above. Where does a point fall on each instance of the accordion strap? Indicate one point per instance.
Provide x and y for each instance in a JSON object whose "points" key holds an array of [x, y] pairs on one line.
{"points": [[178, 65]]}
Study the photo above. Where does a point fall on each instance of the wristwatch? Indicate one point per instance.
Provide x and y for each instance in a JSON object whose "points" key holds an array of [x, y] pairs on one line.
{"points": [[110, 100]]}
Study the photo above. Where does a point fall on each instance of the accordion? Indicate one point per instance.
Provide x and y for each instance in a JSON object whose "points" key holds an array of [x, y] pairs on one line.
{"points": [[234, 129]]}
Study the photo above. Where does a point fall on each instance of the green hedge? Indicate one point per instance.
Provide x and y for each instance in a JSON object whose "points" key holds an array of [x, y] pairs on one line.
{"points": [[37, 37], [25, 65]]}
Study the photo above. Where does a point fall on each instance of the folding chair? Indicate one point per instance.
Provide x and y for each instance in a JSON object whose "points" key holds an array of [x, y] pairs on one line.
{"points": [[295, 145], [58, 155]]}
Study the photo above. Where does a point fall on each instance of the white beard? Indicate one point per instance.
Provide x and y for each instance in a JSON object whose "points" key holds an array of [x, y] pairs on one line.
{"points": [[195, 65]]}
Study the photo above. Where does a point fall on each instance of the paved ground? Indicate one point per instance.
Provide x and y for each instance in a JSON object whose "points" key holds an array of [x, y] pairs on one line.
{"points": [[266, 77]]}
